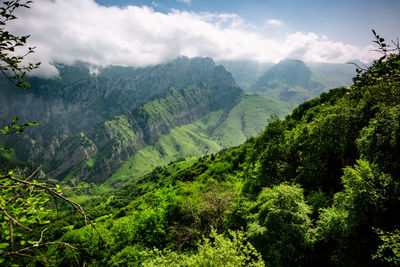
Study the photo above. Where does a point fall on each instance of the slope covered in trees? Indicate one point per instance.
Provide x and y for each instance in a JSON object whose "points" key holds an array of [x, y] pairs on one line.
{"points": [[320, 187]]}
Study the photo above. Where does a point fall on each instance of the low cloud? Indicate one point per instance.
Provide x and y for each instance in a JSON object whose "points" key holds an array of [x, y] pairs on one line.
{"points": [[66, 31]]}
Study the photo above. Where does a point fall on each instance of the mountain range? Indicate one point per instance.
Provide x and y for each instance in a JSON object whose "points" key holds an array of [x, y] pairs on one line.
{"points": [[290, 80], [92, 125]]}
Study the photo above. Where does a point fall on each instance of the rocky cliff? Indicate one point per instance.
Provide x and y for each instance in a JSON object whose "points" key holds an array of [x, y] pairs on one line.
{"points": [[90, 125]]}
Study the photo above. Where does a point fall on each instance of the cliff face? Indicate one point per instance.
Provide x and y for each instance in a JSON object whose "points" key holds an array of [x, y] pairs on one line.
{"points": [[89, 126]]}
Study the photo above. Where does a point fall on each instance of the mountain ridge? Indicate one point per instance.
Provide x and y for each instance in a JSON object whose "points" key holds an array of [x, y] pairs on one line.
{"points": [[150, 103]]}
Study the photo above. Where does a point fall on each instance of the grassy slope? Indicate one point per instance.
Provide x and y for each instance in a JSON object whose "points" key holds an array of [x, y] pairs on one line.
{"points": [[208, 135]]}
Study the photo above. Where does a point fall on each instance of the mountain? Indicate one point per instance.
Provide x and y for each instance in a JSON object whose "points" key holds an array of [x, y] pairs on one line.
{"points": [[289, 80], [245, 72], [90, 125], [216, 130], [334, 75]]}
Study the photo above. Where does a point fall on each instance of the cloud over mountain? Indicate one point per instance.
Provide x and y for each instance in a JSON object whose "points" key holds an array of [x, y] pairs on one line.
{"points": [[70, 30]]}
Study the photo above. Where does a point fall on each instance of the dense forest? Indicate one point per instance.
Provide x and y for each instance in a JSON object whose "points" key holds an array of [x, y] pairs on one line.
{"points": [[318, 187]]}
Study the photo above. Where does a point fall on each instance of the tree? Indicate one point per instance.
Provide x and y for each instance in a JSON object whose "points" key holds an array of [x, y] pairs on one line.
{"points": [[22, 200], [214, 251], [280, 230], [369, 200], [11, 64]]}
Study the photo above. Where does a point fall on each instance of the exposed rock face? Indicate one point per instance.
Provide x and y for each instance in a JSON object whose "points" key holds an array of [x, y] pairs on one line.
{"points": [[89, 126]]}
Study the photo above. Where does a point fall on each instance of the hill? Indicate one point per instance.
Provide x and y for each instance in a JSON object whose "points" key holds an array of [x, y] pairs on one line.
{"points": [[318, 188]]}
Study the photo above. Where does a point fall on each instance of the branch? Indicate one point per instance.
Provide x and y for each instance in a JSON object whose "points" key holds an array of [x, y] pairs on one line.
{"points": [[52, 192], [13, 219], [75, 205], [41, 236], [355, 64], [30, 176], [19, 252]]}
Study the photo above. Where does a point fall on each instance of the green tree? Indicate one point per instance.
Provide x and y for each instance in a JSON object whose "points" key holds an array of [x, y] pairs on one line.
{"points": [[11, 64], [280, 228], [214, 251], [345, 230], [389, 250], [22, 201]]}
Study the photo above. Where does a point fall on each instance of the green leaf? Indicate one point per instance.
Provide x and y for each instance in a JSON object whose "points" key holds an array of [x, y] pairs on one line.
{"points": [[4, 245], [15, 120], [6, 148]]}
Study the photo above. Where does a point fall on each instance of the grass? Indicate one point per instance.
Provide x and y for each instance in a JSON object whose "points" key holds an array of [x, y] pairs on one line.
{"points": [[249, 118], [208, 135], [181, 142]]}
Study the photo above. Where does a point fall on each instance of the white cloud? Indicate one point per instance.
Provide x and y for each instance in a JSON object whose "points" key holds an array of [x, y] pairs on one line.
{"points": [[184, 1], [94, 71], [274, 22], [69, 30]]}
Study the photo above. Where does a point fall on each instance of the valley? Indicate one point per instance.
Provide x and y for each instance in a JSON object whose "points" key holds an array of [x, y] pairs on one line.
{"points": [[91, 126], [177, 164]]}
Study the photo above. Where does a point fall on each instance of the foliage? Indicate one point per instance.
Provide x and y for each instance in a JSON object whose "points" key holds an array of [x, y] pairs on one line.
{"points": [[11, 64], [379, 142], [22, 210], [364, 203], [389, 251], [281, 224], [214, 251], [14, 128], [148, 224], [92, 247]]}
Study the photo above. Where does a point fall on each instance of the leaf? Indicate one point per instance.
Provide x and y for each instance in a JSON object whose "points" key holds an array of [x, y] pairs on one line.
{"points": [[6, 148], [15, 120], [4, 245]]}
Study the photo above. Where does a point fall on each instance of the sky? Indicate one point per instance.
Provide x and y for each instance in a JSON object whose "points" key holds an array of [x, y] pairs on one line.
{"points": [[146, 32]]}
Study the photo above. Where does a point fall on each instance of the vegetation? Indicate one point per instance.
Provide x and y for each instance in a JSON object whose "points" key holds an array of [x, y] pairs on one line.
{"points": [[320, 187], [23, 200], [216, 130]]}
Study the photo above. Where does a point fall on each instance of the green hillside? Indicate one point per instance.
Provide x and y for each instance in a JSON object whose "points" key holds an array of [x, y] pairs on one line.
{"points": [[319, 187], [208, 135]]}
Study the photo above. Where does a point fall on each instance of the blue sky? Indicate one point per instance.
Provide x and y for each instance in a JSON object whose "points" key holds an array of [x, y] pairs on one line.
{"points": [[147, 32]]}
